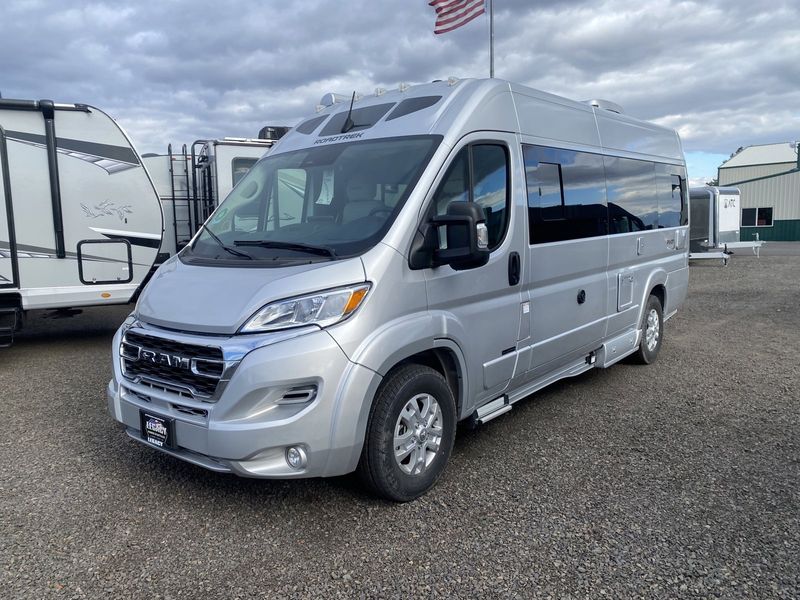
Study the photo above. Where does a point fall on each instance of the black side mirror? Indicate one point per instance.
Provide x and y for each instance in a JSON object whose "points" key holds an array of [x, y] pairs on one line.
{"points": [[458, 238], [463, 237]]}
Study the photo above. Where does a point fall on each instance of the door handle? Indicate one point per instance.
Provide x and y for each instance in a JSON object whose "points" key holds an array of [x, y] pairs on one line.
{"points": [[513, 268]]}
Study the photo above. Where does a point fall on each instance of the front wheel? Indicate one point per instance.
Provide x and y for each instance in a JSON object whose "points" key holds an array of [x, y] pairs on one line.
{"points": [[652, 332], [409, 435]]}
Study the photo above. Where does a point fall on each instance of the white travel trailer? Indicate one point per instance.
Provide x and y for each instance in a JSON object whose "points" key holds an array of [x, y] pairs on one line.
{"points": [[393, 266], [80, 222], [715, 223], [191, 183]]}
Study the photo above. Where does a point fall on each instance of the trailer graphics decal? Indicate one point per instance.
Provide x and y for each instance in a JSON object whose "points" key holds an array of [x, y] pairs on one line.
{"points": [[25, 251], [112, 159], [136, 238], [107, 208]]}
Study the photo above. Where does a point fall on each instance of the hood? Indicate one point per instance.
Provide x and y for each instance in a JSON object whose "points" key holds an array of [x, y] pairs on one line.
{"points": [[219, 300]]}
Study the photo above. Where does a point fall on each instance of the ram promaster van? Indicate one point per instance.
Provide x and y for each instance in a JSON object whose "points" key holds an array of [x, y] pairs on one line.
{"points": [[398, 264]]}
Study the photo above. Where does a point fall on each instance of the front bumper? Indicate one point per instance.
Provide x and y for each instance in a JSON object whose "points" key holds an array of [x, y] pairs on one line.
{"points": [[247, 430]]}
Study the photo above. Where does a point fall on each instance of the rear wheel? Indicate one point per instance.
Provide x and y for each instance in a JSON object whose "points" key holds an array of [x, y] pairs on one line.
{"points": [[652, 332], [410, 434]]}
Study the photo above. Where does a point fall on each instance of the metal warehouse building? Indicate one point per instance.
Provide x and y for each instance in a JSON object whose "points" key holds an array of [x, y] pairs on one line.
{"points": [[768, 177]]}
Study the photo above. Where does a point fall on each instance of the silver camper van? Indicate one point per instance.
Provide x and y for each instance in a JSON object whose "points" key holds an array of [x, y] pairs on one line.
{"points": [[398, 264]]}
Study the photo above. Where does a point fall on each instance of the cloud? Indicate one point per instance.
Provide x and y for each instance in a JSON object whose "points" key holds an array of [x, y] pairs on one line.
{"points": [[724, 73]]}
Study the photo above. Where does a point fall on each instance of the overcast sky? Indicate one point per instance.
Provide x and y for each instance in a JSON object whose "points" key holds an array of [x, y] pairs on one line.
{"points": [[724, 73]]}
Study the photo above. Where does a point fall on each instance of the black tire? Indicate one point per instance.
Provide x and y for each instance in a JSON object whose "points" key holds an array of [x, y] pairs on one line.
{"points": [[378, 469], [645, 355]]}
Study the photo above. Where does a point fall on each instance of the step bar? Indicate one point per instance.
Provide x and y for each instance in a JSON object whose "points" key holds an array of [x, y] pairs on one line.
{"points": [[10, 322], [503, 404]]}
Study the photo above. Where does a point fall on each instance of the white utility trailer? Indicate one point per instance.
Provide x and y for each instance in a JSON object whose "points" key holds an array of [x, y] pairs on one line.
{"points": [[192, 182], [715, 224], [80, 221]]}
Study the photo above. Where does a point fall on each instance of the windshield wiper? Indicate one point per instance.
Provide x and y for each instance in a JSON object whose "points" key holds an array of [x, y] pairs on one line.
{"points": [[222, 244], [309, 248]]}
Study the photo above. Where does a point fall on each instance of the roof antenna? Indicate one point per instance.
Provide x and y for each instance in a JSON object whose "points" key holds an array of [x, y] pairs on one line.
{"points": [[348, 122]]}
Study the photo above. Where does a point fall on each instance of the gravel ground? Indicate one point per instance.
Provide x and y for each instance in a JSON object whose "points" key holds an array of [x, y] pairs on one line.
{"points": [[674, 480]]}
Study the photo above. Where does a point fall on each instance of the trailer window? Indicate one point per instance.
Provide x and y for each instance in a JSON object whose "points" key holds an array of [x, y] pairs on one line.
{"points": [[757, 217], [240, 166], [479, 174]]}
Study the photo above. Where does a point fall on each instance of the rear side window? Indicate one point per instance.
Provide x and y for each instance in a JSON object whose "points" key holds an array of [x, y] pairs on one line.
{"points": [[633, 203], [671, 197], [479, 173], [566, 194]]}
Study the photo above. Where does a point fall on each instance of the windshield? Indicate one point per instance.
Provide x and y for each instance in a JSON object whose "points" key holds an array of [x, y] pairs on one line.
{"points": [[320, 203]]}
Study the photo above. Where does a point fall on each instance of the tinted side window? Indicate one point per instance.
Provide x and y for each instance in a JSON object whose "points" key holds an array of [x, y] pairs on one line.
{"points": [[489, 188], [566, 194], [479, 173], [455, 185], [632, 197], [671, 202]]}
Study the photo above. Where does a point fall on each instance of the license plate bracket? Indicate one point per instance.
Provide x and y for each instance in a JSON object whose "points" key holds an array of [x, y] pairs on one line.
{"points": [[157, 430]]}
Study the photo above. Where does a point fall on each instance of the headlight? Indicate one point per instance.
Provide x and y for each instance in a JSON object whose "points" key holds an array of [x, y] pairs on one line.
{"points": [[323, 309], [129, 321]]}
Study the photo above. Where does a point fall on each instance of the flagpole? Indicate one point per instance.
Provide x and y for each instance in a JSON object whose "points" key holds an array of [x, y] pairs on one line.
{"points": [[491, 39]]}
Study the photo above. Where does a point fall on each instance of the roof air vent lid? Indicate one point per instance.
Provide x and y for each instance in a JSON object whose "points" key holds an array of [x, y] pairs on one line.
{"points": [[606, 105]]}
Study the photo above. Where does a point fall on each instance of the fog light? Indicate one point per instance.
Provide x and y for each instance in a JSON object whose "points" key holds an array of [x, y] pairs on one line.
{"points": [[296, 457]]}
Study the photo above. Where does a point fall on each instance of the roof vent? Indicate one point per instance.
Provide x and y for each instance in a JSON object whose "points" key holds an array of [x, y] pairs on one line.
{"points": [[606, 105], [273, 132], [330, 99]]}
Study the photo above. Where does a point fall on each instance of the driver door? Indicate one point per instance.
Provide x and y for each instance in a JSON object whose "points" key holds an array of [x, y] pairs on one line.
{"points": [[482, 305]]}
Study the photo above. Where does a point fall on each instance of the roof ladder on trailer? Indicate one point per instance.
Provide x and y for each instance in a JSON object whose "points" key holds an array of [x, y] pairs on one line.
{"points": [[182, 218], [203, 185]]}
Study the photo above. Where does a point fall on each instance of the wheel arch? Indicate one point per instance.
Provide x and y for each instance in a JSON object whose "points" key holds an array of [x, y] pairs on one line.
{"points": [[657, 286], [442, 355]]}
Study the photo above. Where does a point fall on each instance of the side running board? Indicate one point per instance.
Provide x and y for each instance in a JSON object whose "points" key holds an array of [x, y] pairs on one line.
{"points": [[490, 410]]}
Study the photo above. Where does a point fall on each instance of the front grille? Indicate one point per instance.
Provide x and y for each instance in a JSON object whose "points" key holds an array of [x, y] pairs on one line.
{"points": [[175, 366]]}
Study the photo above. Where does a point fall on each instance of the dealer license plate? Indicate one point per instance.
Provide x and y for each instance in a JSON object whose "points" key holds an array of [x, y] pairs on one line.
{"points": [[159, 431]]}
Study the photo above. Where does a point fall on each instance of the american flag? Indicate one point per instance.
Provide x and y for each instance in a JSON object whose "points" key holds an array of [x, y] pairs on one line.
{"points": [[452, 14]]}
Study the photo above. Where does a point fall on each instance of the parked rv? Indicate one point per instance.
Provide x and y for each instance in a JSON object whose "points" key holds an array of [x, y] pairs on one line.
{"points": [[715, 223], [398, 264], [191, 182], [80, 222]]}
